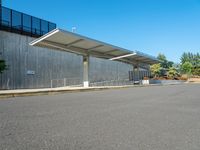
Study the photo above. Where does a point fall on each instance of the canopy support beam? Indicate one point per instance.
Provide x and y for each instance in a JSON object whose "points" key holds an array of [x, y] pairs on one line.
{"points": [[86, 71], [136, 70], [123, 56]]}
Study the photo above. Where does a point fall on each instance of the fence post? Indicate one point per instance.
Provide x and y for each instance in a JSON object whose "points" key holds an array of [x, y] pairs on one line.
{"points": [[64, 82], [7, 84], [51, 84]]}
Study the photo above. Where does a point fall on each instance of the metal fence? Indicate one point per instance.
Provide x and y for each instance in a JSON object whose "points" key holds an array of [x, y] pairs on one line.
{"points": [[14, 21], [117, 82], [134, 78], [74, 82], [77, 82]]}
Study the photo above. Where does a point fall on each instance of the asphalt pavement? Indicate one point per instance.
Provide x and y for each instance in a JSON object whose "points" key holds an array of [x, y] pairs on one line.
{"points": [[138, 118]]}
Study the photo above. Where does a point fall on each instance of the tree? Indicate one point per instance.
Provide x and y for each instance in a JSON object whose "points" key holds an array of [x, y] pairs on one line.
{"points": [[172, 72], [184, 58], [156, 70], [2, 66], [164, 62], [196, 71], [161, 57], [170, 64], [194, 59], [186, 68], [196, 66]]}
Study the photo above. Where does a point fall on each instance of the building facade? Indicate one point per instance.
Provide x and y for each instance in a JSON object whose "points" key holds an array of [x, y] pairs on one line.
{"points": [[37, 67]]}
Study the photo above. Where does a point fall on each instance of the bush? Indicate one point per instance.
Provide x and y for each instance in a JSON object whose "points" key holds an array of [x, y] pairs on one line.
{"points": [[156, 70], [172, 72]]}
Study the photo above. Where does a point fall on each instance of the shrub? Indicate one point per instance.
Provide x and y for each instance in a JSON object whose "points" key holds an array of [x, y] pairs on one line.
{"points": [[172, 72], [156, 70]]}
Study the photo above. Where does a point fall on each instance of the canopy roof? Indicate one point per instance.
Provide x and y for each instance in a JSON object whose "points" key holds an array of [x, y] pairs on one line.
{"points": [[75, 43]]}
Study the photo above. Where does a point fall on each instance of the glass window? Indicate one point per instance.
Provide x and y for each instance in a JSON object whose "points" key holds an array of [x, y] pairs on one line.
{"points": [[52, 26], [26, 23], [16, 20], [11, 19], [36, 26], [44, 27], [6, 13]]}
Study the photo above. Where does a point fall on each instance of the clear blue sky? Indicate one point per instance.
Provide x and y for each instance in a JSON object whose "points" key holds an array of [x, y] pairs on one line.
{"points": [[151, 26]]}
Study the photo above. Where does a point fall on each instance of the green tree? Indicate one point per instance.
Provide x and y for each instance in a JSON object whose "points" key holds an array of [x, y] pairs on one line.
{"points": [[164, 63], [196, 71], [2, 66], [190, 57], [169, 64], [186, 67], [156, 70], [194, 59], [177, 66], [161, 57], [185, 58]]}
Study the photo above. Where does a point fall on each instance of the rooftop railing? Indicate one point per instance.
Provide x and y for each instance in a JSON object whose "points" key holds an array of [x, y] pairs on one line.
{"points": [[14, 21]]}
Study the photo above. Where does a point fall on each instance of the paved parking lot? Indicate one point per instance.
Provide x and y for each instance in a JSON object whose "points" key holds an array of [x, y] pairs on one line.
{"points": [[143, 118]]}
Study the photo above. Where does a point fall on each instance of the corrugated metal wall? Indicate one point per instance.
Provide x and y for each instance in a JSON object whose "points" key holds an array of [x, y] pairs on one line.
{"points": [[48, 64], [106, 70]]}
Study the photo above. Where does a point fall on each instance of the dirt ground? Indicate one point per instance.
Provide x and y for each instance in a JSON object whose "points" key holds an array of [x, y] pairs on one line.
{"points": [[194, 80]]}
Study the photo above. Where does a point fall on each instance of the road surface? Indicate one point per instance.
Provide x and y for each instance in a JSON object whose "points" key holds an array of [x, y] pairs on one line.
{"points": [[140, 118]]}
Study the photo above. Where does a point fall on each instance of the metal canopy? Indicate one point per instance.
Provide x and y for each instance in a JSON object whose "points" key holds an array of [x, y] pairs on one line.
{"points": [[75, 43]]}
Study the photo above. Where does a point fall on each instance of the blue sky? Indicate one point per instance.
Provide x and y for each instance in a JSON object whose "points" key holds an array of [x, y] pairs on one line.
{"points": [[151, 26]]}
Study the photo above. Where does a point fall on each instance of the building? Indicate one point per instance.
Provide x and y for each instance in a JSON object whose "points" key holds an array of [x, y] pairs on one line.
{"points": [[39, 55]]}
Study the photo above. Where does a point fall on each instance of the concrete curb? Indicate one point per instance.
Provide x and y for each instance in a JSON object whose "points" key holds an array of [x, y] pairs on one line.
{"points": [[37, 92], [34, 92]]}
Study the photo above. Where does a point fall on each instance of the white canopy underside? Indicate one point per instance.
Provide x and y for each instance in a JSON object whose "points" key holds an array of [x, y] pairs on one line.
{"points": [[63, 40]]}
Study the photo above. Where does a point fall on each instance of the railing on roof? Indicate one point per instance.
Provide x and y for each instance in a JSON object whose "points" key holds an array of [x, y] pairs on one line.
{"points": [[14, 21]]}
